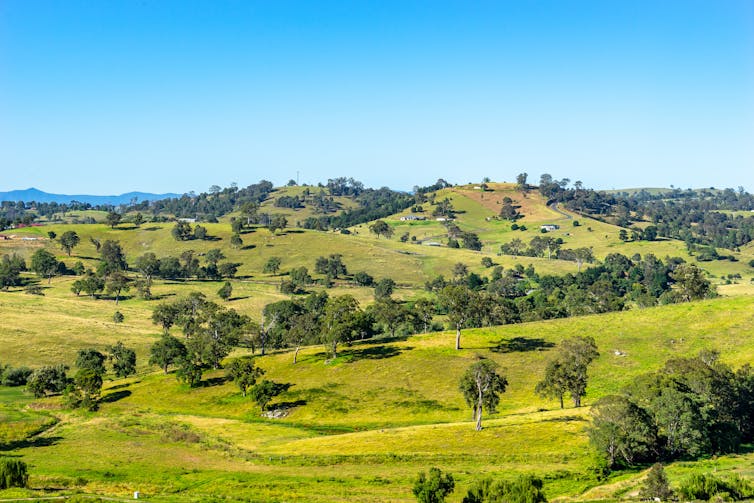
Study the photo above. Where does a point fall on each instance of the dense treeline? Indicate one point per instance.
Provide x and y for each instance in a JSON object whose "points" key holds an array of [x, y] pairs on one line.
{"points": [[695, 216], [691, 407]]}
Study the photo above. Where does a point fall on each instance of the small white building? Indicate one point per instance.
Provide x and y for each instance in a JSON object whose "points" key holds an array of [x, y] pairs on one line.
{"points": [[549, 227], [412, 218]]}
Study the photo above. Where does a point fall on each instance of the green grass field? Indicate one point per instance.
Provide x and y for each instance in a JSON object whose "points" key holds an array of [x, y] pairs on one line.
{"points": [[360, 427]]}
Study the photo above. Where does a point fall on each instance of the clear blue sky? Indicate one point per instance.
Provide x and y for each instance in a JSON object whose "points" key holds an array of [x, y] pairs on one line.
{"points": [[111, 96]]}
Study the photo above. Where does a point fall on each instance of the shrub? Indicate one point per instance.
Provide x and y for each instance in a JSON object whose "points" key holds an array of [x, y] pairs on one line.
{"points": [[118, 317], [524, 489], [656, 484], [12, 473], [16, 377], [433, 488], [703, 486]]}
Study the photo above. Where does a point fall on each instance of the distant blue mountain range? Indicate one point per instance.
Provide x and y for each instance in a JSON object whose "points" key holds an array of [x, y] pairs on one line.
{"points": [[40, 196]]}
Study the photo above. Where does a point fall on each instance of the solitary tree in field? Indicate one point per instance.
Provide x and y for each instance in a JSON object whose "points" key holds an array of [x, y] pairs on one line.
{"points": [[44, 264], [225, 291], [461, 304], [381, 228], [68, 241], [272, 266], [113, 218], [482, 386], [567, 372]]}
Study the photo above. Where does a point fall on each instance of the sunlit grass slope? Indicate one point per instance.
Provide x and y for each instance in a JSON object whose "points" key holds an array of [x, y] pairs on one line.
{"points": [[361, 426]]}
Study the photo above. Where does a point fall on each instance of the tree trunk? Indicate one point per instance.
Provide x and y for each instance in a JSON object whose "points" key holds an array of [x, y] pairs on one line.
{"points": [[479, 410], [295, 355], [458, 336], [561, 402], [577, 401], [165, 368], [117, 297]]}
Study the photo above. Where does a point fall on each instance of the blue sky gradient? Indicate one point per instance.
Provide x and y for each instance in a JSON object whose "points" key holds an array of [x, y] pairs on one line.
{"points": [[108, 97]]}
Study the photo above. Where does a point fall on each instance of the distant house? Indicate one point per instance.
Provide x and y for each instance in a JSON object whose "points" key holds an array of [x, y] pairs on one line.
{"points": [[188, 220], [412, 218], [549, 227], [431, 243]]}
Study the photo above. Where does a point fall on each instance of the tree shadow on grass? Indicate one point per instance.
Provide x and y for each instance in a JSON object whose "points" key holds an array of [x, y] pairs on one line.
{"points": [[114, 397], [289, 405], [215, 381], [522, 345], [30, 442], [239, 298], [248, 247], [372, 353]]}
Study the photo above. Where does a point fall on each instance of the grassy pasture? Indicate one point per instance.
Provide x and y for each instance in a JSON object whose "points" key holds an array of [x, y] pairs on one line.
{"points": [[360, 427]]}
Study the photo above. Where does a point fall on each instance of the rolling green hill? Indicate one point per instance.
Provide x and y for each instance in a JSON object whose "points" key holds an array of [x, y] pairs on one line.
{"points": [[360, 427]]}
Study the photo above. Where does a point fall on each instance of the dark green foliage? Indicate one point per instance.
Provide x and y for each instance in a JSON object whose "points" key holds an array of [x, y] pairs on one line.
{"points": [[189, 371], [113, 218], [166, 351], [244, 373], [17, 376], [482, 386], [265, 391], [487, 262], [113, 258], [362, 278], [11, 267], [123, 359], [332, 266], [524, 489], [225, 291], [182, 231], [656, 484], [91, 359], [381, 228], [13, 473], [200, 232], [272, 266], [85, 391], [704, 486], [68, 241], [622, 431], [692, 407], [47, 380], [339, 322], [44, 264], [384, 288], [433, 487], [236, 241]]}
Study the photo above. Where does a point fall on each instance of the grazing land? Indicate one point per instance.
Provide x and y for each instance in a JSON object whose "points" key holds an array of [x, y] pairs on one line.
{"points": [[361, 425]]}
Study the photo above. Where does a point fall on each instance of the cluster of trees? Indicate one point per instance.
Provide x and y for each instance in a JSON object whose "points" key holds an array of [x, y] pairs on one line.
{"points": [[547, 247], [567, 372], [373, 204], [182, 231], [691, 407], [520, 295], [84, 388], [435, 486], [211, 332], [696, 217]]}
